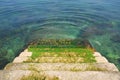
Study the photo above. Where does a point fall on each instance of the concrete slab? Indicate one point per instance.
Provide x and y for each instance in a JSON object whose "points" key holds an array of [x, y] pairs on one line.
{"points": [[62, 75], [25, 54], [20, 59], [101, 60], [63, 66], [97, 54]]}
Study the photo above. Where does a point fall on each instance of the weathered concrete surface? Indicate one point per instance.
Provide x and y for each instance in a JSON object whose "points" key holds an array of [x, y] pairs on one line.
{"points": [[99, 58], [86, 75], [23, 56], [63, 66], [20, 59], [97, 54], [101, 70], [63, 75], [13, 75]]}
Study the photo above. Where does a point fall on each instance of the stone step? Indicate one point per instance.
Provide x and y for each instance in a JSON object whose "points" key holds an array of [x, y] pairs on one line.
{"points": [[25, 54], [49, 60], [97, 54], [20, 59], [62, 75], [13, 74], [26, 50], [99, 58], [62, 66], [57, 60], [85, 75]]}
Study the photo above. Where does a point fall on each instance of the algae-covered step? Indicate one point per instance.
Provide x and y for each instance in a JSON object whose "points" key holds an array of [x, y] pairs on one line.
{"points": [[61, 55]]}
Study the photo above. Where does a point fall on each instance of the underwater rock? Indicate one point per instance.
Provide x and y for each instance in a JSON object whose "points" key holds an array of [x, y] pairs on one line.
{"points": [[90, 31], [115, 38], [119, 60]]}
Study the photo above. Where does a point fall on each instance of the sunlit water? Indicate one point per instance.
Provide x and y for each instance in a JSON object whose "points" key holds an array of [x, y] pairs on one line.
{"points": [[22, 21]]}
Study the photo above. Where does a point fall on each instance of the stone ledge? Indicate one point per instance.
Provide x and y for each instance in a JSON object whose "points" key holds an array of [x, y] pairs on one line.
{"points": [[99, 58], [13, 74], [97, 54], [87, 75], [20, 59], [62, 66], [25, 54], [63, 75]]}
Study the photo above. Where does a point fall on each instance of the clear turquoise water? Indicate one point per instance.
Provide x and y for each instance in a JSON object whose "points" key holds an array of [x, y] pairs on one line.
{"points": [[22, 21]]}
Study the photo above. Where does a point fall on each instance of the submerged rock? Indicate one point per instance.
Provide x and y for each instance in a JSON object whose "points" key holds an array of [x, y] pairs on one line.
{"points": [[115, 38]]}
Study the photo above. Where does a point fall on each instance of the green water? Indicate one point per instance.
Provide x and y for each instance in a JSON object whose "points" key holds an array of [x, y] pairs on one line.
{"points": [[23, 21]]}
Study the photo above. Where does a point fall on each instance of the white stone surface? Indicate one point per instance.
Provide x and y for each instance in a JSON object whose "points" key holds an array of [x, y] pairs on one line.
{"points": [[13, 75], [87, 75], [25, 54], [26, 50], [20, 59], [63, 75], [63, 66], [101, 60], [97, 54]]}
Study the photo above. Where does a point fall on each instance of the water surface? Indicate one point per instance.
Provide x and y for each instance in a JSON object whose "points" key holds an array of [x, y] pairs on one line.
{"points": [[22, 21]]}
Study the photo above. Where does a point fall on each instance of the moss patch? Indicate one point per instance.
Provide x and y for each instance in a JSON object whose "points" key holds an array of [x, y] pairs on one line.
{"points": [[71, 51], [39, 76]]}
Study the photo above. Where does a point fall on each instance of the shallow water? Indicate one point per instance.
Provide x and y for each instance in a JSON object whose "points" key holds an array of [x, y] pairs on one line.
{"points": [[22, 21]]}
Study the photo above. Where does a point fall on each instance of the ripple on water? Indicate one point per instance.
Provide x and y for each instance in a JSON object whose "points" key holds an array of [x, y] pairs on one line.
{"points": [[33, 19]]}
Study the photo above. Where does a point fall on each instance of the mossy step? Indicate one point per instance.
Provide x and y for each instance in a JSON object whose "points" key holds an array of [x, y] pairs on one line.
{"points": [[57, 60], [62, 66], [62, 75], [61, 54]]}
